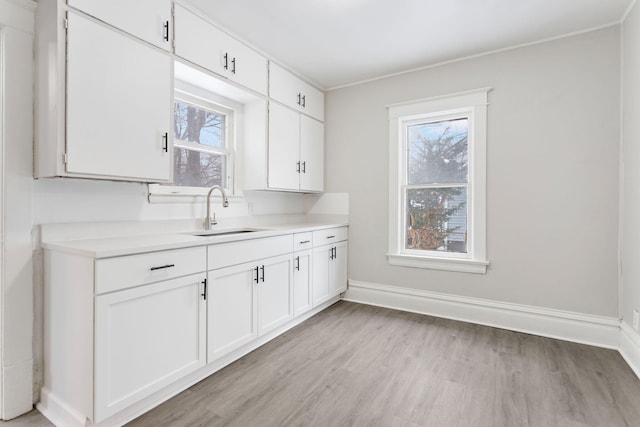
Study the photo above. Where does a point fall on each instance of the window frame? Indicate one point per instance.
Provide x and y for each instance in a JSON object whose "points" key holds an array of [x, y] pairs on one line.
{"points": [[229, 115], [473, 106], [187, 93]]}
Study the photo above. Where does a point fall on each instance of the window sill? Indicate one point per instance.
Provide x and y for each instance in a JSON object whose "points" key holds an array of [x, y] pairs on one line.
{"points": [[447, 264], [158, 193]]}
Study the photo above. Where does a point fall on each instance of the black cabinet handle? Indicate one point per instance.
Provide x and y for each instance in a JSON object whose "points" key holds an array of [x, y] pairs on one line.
{"points": [[304, 167], [331, 253], [299, 98], [297, 263], [257, 276], [305, 241], [226, 61], [335, 253], [330, 237], [262, 278], [162, 267], [166, 30], [204, 291], [298, 167], [233, 65], [304, 101], [165, 146]]}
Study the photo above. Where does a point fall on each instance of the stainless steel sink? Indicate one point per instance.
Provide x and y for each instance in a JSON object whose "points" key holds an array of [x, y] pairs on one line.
{"points": [[227, 232]]}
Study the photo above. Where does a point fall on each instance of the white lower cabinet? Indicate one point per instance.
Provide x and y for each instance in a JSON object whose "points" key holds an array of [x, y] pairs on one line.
{"points": [[146, 338], [321, 258], [338, 269], [232, 320], [249, 299], [302, 273], [275, 304], [246, 301], [302, 290], [121, 331], [329, 264]]}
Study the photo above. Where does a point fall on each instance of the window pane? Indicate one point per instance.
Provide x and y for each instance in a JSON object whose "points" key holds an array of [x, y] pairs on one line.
{"points": [[199, 169], [437, 152], [194, 124], [437, 219]]}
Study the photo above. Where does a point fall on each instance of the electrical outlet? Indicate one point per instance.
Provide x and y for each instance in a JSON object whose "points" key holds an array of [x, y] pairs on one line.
{"points": [[636, 319]]}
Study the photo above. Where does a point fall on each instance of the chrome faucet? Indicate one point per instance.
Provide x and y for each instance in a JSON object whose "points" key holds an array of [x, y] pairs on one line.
{"points": [[225, 203]]}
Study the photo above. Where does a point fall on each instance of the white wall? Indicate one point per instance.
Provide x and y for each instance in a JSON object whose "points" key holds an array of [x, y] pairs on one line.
{"points": [[630, 253], [16, 141], [552, 172], [63, 200]]}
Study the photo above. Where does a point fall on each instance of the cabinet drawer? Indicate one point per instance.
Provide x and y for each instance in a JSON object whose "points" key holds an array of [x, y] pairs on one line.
{"points": [[329, 235], [113, 274], [232, 253], [302, 241]]}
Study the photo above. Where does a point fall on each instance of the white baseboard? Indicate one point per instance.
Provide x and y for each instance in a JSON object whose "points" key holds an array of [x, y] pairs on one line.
{"points": [[58, 412], [630, 347], [565, 325], [17, 379]]}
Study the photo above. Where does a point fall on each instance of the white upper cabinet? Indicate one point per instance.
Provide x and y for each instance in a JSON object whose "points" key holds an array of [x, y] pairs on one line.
{"points": [[149, 20], [295, 93], [284, 151], [199, 41], [104, 100], [296, 151], [311, 155], [118, 115]]}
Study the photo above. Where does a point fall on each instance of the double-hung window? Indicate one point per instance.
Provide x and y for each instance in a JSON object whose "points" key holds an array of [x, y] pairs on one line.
{"points": [[204, 134], [201, 143], [437, 183]]}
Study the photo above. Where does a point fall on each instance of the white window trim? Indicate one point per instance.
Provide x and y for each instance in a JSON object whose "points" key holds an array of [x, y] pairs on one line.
{"points": [[474, 103], [166, 193]]}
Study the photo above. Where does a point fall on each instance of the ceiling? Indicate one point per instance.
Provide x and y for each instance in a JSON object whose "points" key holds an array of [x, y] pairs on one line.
{"points": [[340, 42]]}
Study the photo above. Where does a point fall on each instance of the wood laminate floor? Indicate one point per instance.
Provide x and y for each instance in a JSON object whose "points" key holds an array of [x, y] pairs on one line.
{"points": [[357, 365]]}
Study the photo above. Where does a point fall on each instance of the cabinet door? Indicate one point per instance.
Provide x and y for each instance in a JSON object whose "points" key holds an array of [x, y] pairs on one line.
{"points": [[311, 154], [284, 137], [231, 311], [200, 42], [275, 306], [321, 259], [145, 339], [295, 93], [118, 105], [338, 270], [145, 19], [302, 296]]}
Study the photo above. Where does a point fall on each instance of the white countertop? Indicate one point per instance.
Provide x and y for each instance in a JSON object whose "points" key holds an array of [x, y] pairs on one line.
{"points": [[106, 247]]}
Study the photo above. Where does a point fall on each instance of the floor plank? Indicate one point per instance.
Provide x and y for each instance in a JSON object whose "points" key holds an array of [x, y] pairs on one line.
{"points": [[358, 365]]}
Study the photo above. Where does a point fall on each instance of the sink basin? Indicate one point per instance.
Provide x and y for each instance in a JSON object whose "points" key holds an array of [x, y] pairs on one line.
{"points": [[227, 232]]}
